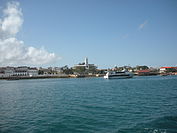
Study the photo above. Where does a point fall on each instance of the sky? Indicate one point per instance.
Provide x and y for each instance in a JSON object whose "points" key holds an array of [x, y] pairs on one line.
{"points": [[108, 32]]}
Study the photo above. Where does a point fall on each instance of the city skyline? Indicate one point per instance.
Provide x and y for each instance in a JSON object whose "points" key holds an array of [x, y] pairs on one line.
{"points": [[109, 33]]}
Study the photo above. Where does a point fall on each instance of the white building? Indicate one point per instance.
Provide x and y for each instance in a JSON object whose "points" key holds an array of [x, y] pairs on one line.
{"points": [[163, 69], [21, 71], [9, 71], [18, 71], [32, 72], [1, 74], [58, 69], [84, 64]]}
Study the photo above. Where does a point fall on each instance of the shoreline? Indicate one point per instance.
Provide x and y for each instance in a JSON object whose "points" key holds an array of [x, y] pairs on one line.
{"points": [[48, 77], [67, 76]]}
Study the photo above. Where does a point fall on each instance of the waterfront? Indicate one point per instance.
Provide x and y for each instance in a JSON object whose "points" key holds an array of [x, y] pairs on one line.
{"points": [[141, 104]]}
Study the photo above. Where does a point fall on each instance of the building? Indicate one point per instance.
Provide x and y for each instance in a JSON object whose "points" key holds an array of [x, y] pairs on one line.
{"points": [[84, 68], [58, 70], [18, 71], [1, 71], [85, 64], [44, 71], [143, 72], [21, 71], [32, 72], [168, 69], [147, 72], [9, 71]]}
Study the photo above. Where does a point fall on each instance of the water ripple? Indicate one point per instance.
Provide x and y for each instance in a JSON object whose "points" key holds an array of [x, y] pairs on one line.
{"points": [[93, 105]]}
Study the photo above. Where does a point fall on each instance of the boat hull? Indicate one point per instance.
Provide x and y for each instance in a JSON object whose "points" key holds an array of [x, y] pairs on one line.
{"points": [[118, 77]]}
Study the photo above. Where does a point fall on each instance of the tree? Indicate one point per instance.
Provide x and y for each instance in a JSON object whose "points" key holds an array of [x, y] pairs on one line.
{"points": [[68, 71], [80, 69], [92, 69], [142, 67], [40, 72]]}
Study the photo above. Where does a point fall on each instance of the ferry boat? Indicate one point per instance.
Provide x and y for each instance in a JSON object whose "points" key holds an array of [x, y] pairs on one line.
{"points": [[118, 75]]}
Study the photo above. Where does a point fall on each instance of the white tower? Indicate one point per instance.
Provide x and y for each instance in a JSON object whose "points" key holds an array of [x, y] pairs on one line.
{"points": [[86, 62]]}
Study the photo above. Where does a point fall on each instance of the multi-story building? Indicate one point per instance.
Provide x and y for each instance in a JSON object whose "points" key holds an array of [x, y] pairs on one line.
{"points": [[18, 71], [32, 72], [9, 71], [21, 71]]}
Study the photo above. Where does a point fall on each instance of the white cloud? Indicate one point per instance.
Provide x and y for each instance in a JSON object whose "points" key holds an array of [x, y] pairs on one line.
{"points": [[12, 21], [141, 26], [14, 51]]}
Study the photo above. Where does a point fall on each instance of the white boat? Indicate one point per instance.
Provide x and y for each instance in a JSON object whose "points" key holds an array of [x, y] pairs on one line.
{"points": [[118, 75]]}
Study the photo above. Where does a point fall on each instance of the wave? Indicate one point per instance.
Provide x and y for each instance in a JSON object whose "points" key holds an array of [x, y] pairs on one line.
{"points": [[166, 124]]}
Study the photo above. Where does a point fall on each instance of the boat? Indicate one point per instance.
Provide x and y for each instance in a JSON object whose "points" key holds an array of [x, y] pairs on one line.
{"points": [[118, 75]]}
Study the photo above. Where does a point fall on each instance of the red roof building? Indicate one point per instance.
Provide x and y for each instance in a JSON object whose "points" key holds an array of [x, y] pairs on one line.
{"points": [[167, 69]]}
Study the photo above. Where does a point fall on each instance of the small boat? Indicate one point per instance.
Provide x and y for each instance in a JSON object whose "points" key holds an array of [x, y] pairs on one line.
{"points": [[118, 75]]}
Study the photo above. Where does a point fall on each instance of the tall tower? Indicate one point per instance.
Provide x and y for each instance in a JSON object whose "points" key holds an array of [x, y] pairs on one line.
{"points": [[86, 61]]}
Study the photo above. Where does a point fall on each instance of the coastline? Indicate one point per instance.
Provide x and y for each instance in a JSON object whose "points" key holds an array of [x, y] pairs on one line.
{"points": [[70, 76], [48, 76]]}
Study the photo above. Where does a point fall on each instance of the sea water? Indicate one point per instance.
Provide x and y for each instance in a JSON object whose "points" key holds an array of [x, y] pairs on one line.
{"points": [[89, 105]]}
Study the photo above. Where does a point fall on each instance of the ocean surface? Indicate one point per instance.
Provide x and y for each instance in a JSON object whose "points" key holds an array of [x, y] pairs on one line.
{"points": [[89, 105]]}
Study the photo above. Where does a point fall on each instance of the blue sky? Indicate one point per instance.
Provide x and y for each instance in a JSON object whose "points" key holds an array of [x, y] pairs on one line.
{"points": [[108, 32]]}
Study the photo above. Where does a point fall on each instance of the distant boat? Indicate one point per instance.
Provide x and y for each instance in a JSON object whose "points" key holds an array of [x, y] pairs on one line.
{"points": [[118, 75]]}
